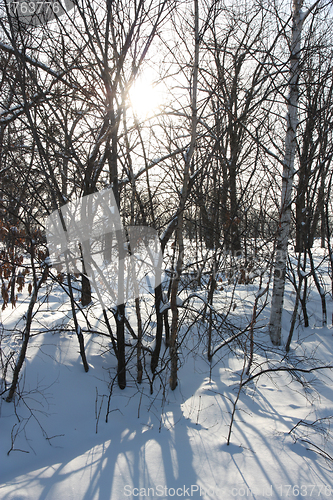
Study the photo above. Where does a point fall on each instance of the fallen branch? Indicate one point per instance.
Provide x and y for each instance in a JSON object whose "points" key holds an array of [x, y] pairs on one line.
{"points": [[286, 369]]}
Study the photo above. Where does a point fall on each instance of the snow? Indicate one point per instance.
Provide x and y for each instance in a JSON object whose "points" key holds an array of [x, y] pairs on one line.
{"points": [[302, 14], [165, 306], [172, 445], [179, 301], [47, 261]]}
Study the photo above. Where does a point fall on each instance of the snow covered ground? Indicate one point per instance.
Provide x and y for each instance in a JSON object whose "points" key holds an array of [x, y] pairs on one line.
{"points": [[169, 444]]}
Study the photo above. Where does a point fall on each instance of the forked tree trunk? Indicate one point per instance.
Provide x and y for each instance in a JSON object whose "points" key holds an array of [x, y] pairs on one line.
{"points": [[287, 179]]}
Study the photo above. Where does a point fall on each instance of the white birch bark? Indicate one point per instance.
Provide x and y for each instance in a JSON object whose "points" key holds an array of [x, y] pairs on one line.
{"points": [[287, 178]]}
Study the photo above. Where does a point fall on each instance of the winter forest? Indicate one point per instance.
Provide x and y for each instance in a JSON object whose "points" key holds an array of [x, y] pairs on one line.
{"points": [[166, 249]]}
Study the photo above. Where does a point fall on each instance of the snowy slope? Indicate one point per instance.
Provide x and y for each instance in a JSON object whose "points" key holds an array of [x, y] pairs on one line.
{"points": [[156, 446]]}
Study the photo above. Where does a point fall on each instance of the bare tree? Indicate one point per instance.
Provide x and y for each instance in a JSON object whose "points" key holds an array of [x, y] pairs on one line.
{"points": [[298, 18], [74, 106]]}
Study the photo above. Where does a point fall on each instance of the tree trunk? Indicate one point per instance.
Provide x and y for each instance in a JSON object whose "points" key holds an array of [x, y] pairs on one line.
{"points": [[26, 336], [120, 312], [121, 369], [159, 328], [180, 222], [85, 290], [76, 323], [287, 180]]}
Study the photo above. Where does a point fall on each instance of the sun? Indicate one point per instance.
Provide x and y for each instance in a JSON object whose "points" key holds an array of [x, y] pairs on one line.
{"points": [[145, 98]]}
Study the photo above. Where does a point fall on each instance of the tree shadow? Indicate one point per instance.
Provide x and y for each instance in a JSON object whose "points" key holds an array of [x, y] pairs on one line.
{"points": [[156, 447]]}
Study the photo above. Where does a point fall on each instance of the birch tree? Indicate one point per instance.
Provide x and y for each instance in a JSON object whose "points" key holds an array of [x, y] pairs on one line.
{"points": [[298, 18]]}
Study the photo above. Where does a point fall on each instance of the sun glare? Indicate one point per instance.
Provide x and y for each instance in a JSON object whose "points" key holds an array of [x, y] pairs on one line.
{"points": [[145, 98]]}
